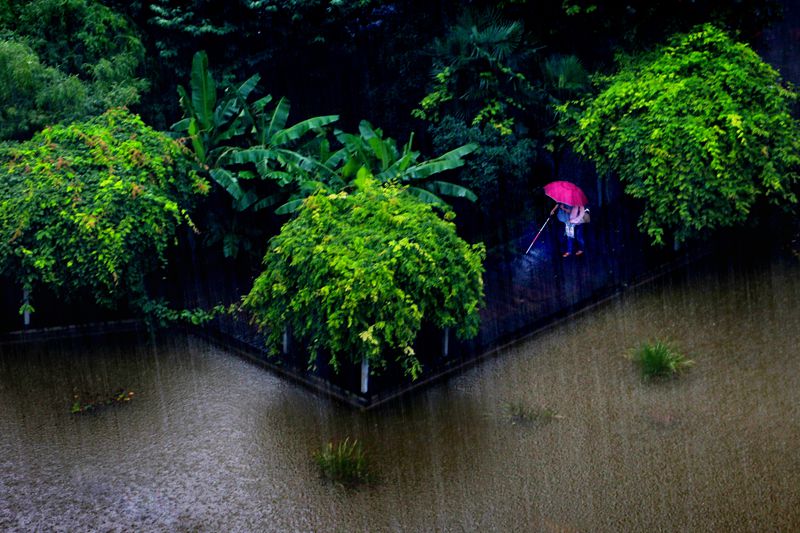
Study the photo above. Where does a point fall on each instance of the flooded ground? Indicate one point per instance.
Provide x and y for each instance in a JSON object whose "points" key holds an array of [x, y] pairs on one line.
{"points": [[212, 443]]}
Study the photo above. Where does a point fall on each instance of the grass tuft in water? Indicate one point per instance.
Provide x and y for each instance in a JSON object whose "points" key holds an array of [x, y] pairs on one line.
{"points": [[344, 463], [660, 360], [521, 413]]}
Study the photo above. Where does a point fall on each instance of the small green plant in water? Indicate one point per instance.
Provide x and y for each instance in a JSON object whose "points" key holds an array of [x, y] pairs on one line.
{"points": [[660, 360], [83, 405], [344, 463], [520, 413]]}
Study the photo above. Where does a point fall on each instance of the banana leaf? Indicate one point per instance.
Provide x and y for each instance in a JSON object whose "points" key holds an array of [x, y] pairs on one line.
{"points": [[446, 188], [244, 90], [426, 196], [301, 128], [197, 141], [227, 181], [289, 207], [246, 200], [185, 102], [250, 155], [278, 120], [429, 168], [204, 91], [181, 125]]}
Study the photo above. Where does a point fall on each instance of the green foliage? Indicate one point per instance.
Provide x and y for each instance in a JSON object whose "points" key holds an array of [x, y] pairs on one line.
{"points": [[478, 73], [344, 463], [354, 275], [91, 208], [660, 360], [33, 95], [86, 39], [229, 134], [699, 129], [238, 142], [501, 164], [84, 403], [370, 151]]}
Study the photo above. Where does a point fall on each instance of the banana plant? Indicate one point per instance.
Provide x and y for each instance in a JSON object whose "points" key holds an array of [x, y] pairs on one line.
{"points": [[369, 151], [239, 142], [382, 158], [274, 157]]}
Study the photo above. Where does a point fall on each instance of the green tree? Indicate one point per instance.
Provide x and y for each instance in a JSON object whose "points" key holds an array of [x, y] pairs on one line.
{"points": [[501, 166], [82, 38], [90, 209], [699, 129], [355, 274], [33, 95], [478, 72]]}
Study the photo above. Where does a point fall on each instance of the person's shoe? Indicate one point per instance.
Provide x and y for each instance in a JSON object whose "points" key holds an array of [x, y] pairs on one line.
{"points": [[579, 252], [565, 254]]}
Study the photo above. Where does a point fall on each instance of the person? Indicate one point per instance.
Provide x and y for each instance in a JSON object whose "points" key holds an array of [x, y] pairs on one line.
{"points": [[573, 217]]}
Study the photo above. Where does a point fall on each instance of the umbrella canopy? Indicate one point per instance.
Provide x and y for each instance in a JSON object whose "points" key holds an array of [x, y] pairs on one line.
{"points": [[566, 193]]}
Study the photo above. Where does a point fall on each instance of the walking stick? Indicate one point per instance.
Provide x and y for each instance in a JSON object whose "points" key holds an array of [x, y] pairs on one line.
{"points": [[541, 230]]}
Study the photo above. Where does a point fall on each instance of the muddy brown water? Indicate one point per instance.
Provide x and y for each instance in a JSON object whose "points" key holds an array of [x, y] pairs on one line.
{"points": [[213, 443]]}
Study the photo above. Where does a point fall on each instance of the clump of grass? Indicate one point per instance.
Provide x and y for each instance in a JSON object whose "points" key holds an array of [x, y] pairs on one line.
{"points": [[84, 404], [660, 360], [521, 413], [344, 463]]}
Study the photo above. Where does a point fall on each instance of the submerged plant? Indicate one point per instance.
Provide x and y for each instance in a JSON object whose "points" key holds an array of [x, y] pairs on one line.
{"points": [[344, 463], [660, 360], [83, 405], [520, 413]]}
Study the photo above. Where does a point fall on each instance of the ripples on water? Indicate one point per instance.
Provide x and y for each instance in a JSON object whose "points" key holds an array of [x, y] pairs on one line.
{"points": [[212, 443]]}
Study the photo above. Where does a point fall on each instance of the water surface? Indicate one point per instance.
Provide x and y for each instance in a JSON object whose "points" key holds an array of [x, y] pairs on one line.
{"points": [[213, 443]]}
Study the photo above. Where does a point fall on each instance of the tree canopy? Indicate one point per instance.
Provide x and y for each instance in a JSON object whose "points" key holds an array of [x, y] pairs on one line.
{"points": [[699, 129], [91, 208], [356, 273]]}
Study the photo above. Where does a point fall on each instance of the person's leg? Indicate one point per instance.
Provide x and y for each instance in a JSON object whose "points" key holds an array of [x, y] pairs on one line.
{"points": [[579, 238], [569, 246], [564, 240]]}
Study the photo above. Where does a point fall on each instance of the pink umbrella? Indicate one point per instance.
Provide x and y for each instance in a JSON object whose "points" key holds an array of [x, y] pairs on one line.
{"points": [[566, 193]]}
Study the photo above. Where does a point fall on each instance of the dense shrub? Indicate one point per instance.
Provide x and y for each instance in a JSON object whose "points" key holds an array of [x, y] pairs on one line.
{"points": [[356, 273], [699, 129], [502, 164], [92, 207]]}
